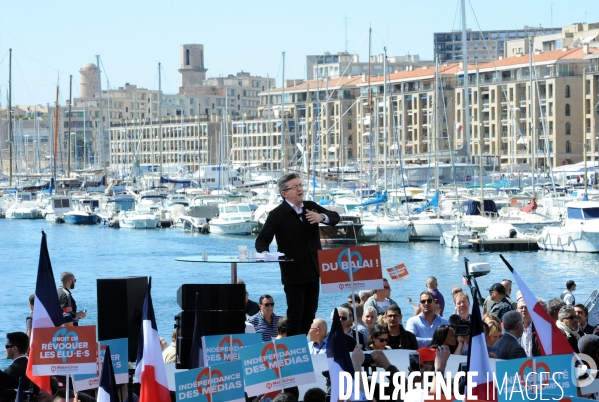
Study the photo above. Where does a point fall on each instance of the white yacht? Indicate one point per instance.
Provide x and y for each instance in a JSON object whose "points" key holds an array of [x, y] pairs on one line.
{"points": [[579, 233], [24, 208], [139, 219], [234, 218], [458, 237]]}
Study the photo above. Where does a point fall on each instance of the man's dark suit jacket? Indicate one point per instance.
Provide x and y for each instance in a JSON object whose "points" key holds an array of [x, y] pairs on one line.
{"points": [[509, 348], [297, 239], [9, 377]]}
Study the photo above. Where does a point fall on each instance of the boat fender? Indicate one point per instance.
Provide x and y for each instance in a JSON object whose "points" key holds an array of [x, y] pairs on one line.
{"points": [[559, 242]]}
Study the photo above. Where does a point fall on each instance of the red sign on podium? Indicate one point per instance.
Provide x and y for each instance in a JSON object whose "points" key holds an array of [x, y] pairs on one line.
{"points": [[339, 266]]}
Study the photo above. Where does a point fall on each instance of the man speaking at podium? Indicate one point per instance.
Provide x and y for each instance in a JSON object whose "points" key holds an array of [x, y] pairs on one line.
{"points": [[294, 224]]}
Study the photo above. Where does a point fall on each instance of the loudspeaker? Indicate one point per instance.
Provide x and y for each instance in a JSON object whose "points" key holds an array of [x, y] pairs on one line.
{"points": [[120, 306], [213, 297], [214, 322]]}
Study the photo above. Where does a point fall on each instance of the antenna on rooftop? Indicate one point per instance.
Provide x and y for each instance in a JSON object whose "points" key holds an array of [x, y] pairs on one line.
{"points": [[345, 32]]}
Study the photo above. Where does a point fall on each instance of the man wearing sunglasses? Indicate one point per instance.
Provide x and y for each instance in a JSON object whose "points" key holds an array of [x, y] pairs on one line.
{"points": [[567, 322], [17, 344], [424, 324], [294, 224], [68, 304], [265, 322]]}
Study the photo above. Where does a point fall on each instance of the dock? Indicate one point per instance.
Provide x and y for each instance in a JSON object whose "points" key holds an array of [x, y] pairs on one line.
{"points": [[504, 244]]}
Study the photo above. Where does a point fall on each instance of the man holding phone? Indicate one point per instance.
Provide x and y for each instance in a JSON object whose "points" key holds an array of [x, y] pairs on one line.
{"points": [[67, 303]]}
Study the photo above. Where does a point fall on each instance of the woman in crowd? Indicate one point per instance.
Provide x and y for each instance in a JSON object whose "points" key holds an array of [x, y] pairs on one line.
{"points": [[379, 338], [445, 335]]}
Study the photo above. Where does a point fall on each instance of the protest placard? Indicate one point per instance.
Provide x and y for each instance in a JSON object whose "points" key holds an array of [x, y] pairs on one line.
{"points": [[118, 354], [215, 383], [64, 350], [363, 263], [534, 378], [221, 348], [275, 365]]}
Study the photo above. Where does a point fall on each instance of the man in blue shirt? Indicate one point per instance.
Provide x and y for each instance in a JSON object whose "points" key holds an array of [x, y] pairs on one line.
{"points": [[318, 337], [424, 324], [265, 322]]}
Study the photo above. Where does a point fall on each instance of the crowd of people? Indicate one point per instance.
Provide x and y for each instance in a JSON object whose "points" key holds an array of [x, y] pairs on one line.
{"points": [[378, 326]]}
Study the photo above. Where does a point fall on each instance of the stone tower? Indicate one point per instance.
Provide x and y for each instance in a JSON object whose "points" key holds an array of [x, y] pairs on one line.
{"points": [[88, 81], [192, 65]]}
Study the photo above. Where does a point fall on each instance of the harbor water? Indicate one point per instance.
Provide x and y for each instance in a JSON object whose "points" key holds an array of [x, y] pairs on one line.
{"points": [[93, 252]]}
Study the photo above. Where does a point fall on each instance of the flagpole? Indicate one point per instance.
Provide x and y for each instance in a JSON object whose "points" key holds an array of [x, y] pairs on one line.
{"points": [[351, 281], [67, 391]]}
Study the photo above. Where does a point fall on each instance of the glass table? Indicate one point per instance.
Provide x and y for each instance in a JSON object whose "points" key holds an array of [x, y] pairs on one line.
{"points": [[226, 259]]}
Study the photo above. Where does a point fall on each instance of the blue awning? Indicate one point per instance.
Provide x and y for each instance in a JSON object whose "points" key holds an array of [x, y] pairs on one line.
{"points": [[278, 125], [290, 124]]}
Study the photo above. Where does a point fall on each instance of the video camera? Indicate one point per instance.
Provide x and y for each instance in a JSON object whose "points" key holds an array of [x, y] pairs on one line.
{"points": [[461, 327]]}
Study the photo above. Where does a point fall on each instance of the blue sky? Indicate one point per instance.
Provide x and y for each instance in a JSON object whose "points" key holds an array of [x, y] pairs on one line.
{"points": [[53, 39]]}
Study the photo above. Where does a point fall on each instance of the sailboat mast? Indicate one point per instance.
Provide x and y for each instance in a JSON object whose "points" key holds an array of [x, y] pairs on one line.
{"points": [[10, 139], [283, 139], [160, 117], [56, 128], [532, 118], [466, 89], [385, 112], [436, 111], [102, 140], [69, 135], [480, 147], [369, 107]]}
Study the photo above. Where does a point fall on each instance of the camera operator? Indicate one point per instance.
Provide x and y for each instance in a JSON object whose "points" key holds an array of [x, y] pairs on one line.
{"points": [[461, 321]]}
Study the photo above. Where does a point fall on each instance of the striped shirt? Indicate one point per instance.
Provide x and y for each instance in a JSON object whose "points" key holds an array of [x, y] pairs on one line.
{"points": [[268, 331]]}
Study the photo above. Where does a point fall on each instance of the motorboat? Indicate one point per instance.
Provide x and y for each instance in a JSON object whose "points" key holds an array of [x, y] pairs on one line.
{"points": [[458, 237], [234, 218], [193, 224], [139, 219], [23, 210], [109, 215], [81, 214], [385, 229], [57, 206], [579, 232]]}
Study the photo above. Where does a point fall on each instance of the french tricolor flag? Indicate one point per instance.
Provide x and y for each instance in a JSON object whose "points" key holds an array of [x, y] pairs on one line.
{"points": [[107, 392], [47, 312], [150, 371], [478, 358], [338, 358], [551, 340]]}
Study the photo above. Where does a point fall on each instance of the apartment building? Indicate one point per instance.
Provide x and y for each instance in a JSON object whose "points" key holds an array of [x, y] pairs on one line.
{"points": [[346, 64], [31, 139], [591, 110], [186, 143], [483, 46], [304, 123], [410, 104], [575, 35], [511, 120]]}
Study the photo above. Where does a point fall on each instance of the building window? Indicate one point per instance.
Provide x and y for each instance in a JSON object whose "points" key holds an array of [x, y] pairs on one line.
{"points": [[568, 147], [568, 129], [186, 57], [567, 92], [567, 109], [191, 101]]}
